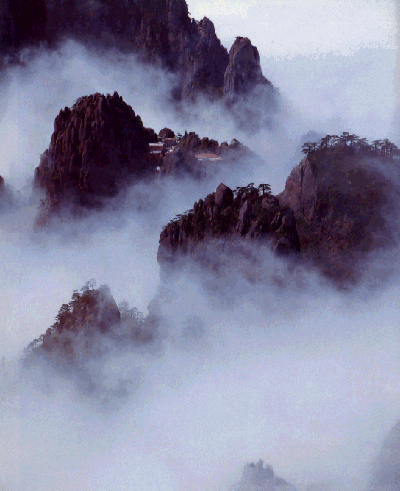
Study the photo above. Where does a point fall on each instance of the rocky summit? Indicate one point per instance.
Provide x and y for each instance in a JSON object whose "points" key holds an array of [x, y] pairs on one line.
{"points": [[83, 325], [95, 148], [339, 205], [205, 69], [344, 198], [243, 73], [202, 158], [246, 213], [78, 325], [250, 97]]}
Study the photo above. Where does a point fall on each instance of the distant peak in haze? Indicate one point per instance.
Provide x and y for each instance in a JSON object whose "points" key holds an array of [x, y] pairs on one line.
{"points": [[256, 477]]}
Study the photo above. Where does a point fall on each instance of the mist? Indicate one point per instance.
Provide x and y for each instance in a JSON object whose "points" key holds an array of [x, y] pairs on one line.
{"points": [[302, 376], [311, 389]]}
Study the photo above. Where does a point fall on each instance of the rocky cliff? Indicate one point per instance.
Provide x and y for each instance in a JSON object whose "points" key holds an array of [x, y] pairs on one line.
{"points": [[205, 67], [249, 95], [243, 73], [78, 345], [256, 477], [158, 31], [345, 206], [84, 325], [224, 216], [202, 158], [339, 206], [96, 147]]}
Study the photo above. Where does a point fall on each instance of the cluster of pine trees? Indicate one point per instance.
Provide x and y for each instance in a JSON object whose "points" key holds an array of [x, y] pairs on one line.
{"points": [[74, 315], [260, 190], [354, 142]]}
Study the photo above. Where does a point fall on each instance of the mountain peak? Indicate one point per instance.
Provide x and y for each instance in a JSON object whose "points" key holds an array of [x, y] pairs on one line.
{"points": [[96, 145]]}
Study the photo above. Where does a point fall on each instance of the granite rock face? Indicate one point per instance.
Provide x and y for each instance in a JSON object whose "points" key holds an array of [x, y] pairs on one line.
{"points": [[206, 66], [249, 95], [87, 325], [166, 133], [79, 343], [78, 325], [221, 217], [345, 206], [243, 72], [203, 158], [96, 147]]}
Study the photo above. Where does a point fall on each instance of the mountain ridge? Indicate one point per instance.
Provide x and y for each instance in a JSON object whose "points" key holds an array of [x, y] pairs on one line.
{"points": [[159, 32]]}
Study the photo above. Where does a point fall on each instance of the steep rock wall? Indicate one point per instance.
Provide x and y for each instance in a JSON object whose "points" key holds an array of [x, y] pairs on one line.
{"points": [[243, 73], [95, 147], [345, 205]]}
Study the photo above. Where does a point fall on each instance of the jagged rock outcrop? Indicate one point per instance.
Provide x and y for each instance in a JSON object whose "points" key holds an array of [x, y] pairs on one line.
{"points": [[155, 29], [79, 343], [158, 31], [243, 72], [191, 141], [256, 477], [79, 326], [206, 66], [96, 147], [83, 326], [345, 207], [202, 158], [250, 96], [252, 214]]}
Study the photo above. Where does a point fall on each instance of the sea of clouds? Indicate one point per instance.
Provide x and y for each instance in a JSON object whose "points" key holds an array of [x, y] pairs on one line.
{"points": [[302, 376]]}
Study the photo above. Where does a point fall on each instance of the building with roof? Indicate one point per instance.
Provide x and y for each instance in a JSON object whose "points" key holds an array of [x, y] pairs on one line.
{"points": [[208, 157]]}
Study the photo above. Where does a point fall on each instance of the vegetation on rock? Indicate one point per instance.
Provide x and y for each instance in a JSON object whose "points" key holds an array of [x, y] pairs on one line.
{"points": [[159, 32], [247, 212], [80, 324], [350, 144], [344, 199]]}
